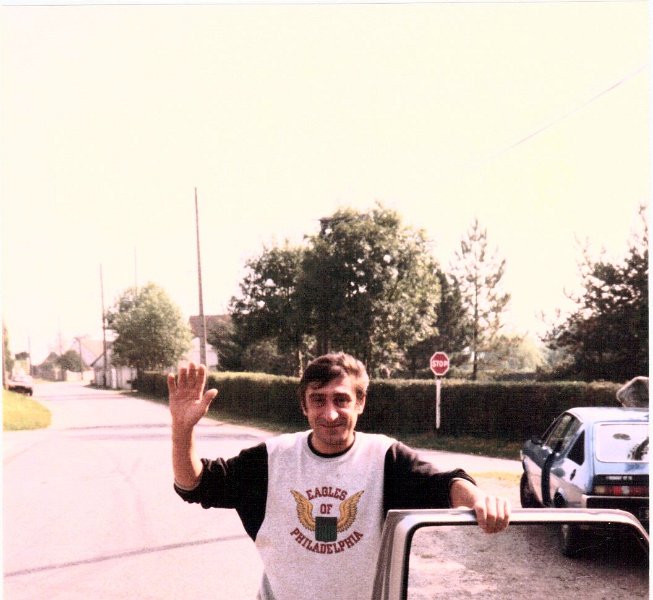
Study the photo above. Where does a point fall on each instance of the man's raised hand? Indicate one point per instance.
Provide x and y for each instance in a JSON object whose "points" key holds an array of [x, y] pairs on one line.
{"points": [[188, 403]]}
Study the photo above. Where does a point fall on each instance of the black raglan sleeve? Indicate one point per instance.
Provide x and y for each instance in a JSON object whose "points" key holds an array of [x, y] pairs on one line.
{"points": [[412, 483], [240, 482]]}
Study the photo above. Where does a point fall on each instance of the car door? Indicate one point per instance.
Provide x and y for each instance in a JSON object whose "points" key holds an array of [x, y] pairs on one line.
{"points": [[534, 455], [553, 443], [563, 467]]}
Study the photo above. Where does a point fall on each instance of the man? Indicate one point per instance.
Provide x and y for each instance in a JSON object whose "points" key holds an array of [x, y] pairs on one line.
{"points": [[314, 502]]}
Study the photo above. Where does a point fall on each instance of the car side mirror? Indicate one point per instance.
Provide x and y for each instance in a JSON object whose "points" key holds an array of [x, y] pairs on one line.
{"points": [[537, 440], [429, 554]]}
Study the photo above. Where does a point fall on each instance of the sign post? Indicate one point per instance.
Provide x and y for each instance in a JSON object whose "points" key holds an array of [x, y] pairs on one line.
{"points": [[439, 364]]}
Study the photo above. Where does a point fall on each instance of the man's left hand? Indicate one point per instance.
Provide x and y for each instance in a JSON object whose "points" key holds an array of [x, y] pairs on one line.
{"points": [[492, 512]]}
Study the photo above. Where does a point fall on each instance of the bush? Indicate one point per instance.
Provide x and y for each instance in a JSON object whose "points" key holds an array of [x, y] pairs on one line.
{"points": [[511, 411], [257, 396]]}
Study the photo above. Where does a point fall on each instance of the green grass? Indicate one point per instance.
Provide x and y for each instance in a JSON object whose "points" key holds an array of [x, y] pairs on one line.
{"points": [[465, 444], [21, 412]]}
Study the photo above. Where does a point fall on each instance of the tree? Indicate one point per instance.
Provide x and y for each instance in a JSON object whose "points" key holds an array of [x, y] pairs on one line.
{"points": [[452, 329], [369, 286], [7, 360], [514, 353], [264, 355], [70, 361], [269, 306], [222, 336], [606, 337], [150, 331], [479, 274]]}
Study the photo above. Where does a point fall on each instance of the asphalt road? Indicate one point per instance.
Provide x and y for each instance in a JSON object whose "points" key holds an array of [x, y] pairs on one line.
{"points": [[89, 509]]}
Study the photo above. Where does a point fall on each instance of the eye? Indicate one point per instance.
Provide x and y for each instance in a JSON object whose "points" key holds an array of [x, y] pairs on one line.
{"points": [[316, 401], [343, 400]]}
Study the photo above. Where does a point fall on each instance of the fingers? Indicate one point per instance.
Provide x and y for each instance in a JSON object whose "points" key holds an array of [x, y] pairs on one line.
{"points": [[190, 380], [192, 375], [492, 514], [172, 384], [182, 377], [209, 396]]}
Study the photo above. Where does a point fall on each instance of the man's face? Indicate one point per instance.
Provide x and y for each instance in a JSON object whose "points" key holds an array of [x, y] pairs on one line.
{"points": [[332, 411]]}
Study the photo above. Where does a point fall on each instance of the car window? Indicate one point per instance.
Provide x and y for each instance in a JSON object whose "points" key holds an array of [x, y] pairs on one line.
{"points": [[569, 434], [577, 452], [558, 431], [549, 429], [621, 442]]}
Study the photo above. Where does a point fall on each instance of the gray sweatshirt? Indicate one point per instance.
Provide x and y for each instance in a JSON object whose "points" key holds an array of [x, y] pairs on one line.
{"points": [[316, 520]]}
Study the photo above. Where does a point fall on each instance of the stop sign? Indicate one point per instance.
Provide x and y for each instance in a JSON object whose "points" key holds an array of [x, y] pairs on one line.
{"points": [[439, 364]]}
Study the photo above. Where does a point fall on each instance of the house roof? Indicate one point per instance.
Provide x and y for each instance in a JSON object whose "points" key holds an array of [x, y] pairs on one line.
{"points": [[90, 349], [99, 361], [211, 322], [95, 347]]}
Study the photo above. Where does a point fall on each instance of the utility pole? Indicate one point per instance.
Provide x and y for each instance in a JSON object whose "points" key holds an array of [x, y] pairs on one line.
{"points": [[202, 331], [81, 360], [104, 330]]}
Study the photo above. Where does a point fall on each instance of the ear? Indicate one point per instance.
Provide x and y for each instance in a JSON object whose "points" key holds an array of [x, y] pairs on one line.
{"points": [[303, 405], [360, 405]]}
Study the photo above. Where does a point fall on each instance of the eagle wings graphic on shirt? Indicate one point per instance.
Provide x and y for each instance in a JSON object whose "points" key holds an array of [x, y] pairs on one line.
{"points": [[348, 510]]}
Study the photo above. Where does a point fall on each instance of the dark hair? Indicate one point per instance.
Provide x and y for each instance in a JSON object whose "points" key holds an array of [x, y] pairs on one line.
{"points": [[331, 366]]}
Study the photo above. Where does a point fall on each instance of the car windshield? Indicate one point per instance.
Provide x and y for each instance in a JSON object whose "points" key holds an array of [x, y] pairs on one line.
{"points": [[622, 442]]}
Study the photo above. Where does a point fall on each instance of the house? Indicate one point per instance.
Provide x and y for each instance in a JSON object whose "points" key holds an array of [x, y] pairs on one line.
{"points": [[195, 324], [89, 350], [117, 378]]}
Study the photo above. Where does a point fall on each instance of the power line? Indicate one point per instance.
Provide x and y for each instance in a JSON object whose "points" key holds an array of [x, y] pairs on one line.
{"points": [[567, 114]]}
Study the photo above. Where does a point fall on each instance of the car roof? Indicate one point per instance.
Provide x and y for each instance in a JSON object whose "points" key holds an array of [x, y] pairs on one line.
{"points": [[593, 414]]}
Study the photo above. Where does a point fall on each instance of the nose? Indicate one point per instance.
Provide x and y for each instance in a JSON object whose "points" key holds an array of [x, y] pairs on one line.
{"points": [[330, 412]]}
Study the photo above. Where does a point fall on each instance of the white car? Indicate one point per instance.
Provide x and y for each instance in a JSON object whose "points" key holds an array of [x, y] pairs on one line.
{"points": [[21, 384], [589, 457]]}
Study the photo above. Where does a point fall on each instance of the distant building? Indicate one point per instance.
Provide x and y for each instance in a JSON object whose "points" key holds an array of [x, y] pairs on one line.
{"points": [[195, 323], [88, 349], [117, 378]]}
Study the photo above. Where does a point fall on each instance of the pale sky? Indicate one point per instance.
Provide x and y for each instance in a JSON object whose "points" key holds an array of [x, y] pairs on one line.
{"points": [[534, 117]]}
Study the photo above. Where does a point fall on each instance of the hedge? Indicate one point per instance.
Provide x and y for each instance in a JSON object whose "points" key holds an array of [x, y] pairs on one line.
{"points": [[512, 411]]}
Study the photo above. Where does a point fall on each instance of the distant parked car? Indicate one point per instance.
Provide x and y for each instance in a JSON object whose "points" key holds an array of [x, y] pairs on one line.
{"points": [[21, 384], [589, 457]]}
